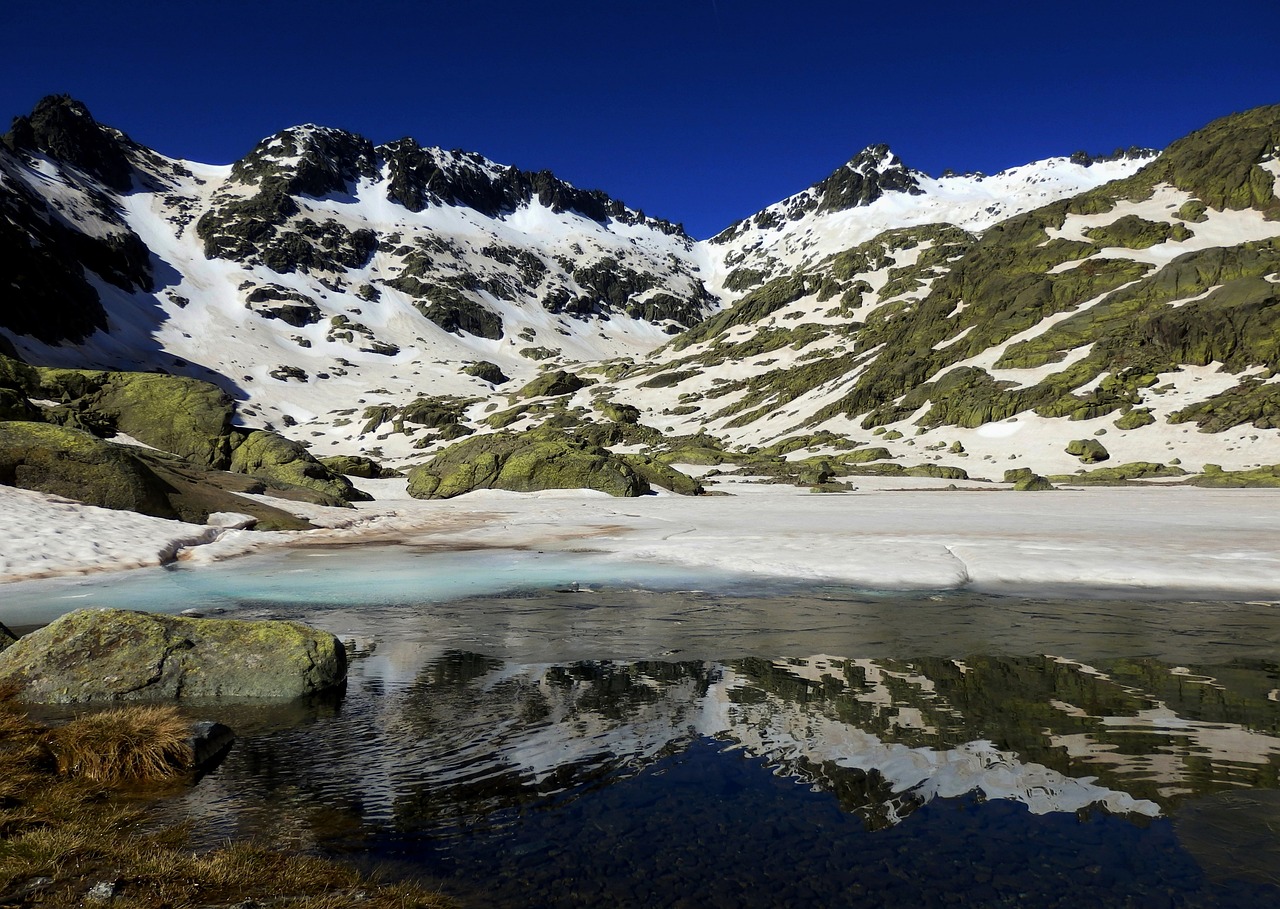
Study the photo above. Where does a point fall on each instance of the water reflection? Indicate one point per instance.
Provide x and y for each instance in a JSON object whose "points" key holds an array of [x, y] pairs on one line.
{"points": [[445, 760]]}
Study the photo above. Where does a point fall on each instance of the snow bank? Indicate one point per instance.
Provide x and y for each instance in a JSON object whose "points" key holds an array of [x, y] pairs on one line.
{"points": [[1117, 540]]}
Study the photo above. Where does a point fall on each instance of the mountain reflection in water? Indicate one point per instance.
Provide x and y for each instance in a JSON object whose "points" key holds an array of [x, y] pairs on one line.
{"points": [[1035, 779]]}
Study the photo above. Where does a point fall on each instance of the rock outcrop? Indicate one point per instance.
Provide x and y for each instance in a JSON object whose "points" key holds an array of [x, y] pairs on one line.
{"points": [[7, 637], [543, 458], [99, 656]]}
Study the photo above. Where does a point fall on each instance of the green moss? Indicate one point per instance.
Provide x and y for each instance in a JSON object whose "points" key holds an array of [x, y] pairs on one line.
{"points": [[358, 466], [14, 405], [487, 371], [864, 455], [1089, 451], [656, 473], [1133, 232], [543, 458], [761, 302], [1121, 474], [1253, 401], [1193, 211], [1218, 164], [1033, 483], [823, 439], [1135, 419], [504, 418], [187, 417], [1259, 477], [276, 459], [71, 463], [554, 383], [620, 413]]}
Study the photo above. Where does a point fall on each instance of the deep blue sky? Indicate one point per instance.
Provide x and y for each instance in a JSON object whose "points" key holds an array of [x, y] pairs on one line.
{"points": [[701, 111]]}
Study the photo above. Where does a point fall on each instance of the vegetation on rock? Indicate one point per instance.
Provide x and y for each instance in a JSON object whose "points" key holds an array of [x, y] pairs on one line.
{"points": [[99, 656], [543, 458]]}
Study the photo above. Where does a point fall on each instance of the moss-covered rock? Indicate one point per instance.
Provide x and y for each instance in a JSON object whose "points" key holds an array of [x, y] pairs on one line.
{"points": [[1133, 232], [1089, 451], [620, 413], [487, 372], [1033, 483], [865, 455], [1121, 474], [1135, 419], [7, 637], [1217, 478], [187, 417], [73, 463], [96, 656], [196, 492], [542, 458], [1253, 401], [655, 473], [276, 459], [359, 466], [554, 383], [14, 405]]}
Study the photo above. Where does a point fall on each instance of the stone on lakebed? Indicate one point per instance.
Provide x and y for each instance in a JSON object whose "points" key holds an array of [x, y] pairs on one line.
{"points": [[100, 656]]}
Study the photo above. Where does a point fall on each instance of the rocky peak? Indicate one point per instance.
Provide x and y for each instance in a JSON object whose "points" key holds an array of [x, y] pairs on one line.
{"points": [[419, 176], [62, 128], [310, 160], [866, 177], [1132, 153]]}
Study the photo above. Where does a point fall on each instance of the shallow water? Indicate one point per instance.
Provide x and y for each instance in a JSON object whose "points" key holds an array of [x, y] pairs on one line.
{"points": [[562, 730]]}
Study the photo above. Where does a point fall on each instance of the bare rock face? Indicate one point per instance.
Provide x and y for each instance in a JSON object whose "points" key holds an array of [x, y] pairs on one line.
{"points": [[99, 656]]}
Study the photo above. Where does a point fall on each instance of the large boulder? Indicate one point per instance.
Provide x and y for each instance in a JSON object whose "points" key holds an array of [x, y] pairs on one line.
{"points": [[97, 656], [76, 465], [72, 463], [358, 466], [1089, 451], [655, 473], [542, 458], [187, 417], [555, 383], [274, 458]]}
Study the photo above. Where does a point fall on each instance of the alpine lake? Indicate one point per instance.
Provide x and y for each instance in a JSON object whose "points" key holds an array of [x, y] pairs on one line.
{"points": [[565, 730]]}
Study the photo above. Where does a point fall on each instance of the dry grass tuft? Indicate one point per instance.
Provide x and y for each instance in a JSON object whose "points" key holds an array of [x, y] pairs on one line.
{"points": [[133, 744], [60, 834]]}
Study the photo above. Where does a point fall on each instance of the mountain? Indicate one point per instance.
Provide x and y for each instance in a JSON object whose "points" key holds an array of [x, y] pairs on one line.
{"points": [[387, 300]]}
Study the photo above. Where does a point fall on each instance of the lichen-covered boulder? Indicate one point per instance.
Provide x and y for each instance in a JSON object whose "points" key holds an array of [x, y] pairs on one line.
{"points": [[542, 458], [72, 463], [1264, 477], [1089, 451], [1024, 479], [272, 457], [358, 466], [97, 656], [187, 417], [7, 637], [554, 383], [487, 371], [655, 473]]}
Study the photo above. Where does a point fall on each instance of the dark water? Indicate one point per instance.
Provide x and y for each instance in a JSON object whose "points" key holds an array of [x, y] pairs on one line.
{"points": [[772, 745]]}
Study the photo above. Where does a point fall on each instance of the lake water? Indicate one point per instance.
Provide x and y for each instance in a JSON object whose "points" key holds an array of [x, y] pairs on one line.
{"points": [[537, 729]]}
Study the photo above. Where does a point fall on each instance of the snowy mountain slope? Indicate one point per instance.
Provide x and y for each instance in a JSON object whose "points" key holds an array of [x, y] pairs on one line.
{"points": [[388, 299], [1141, 310], [320, 274], [875, 192]]}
